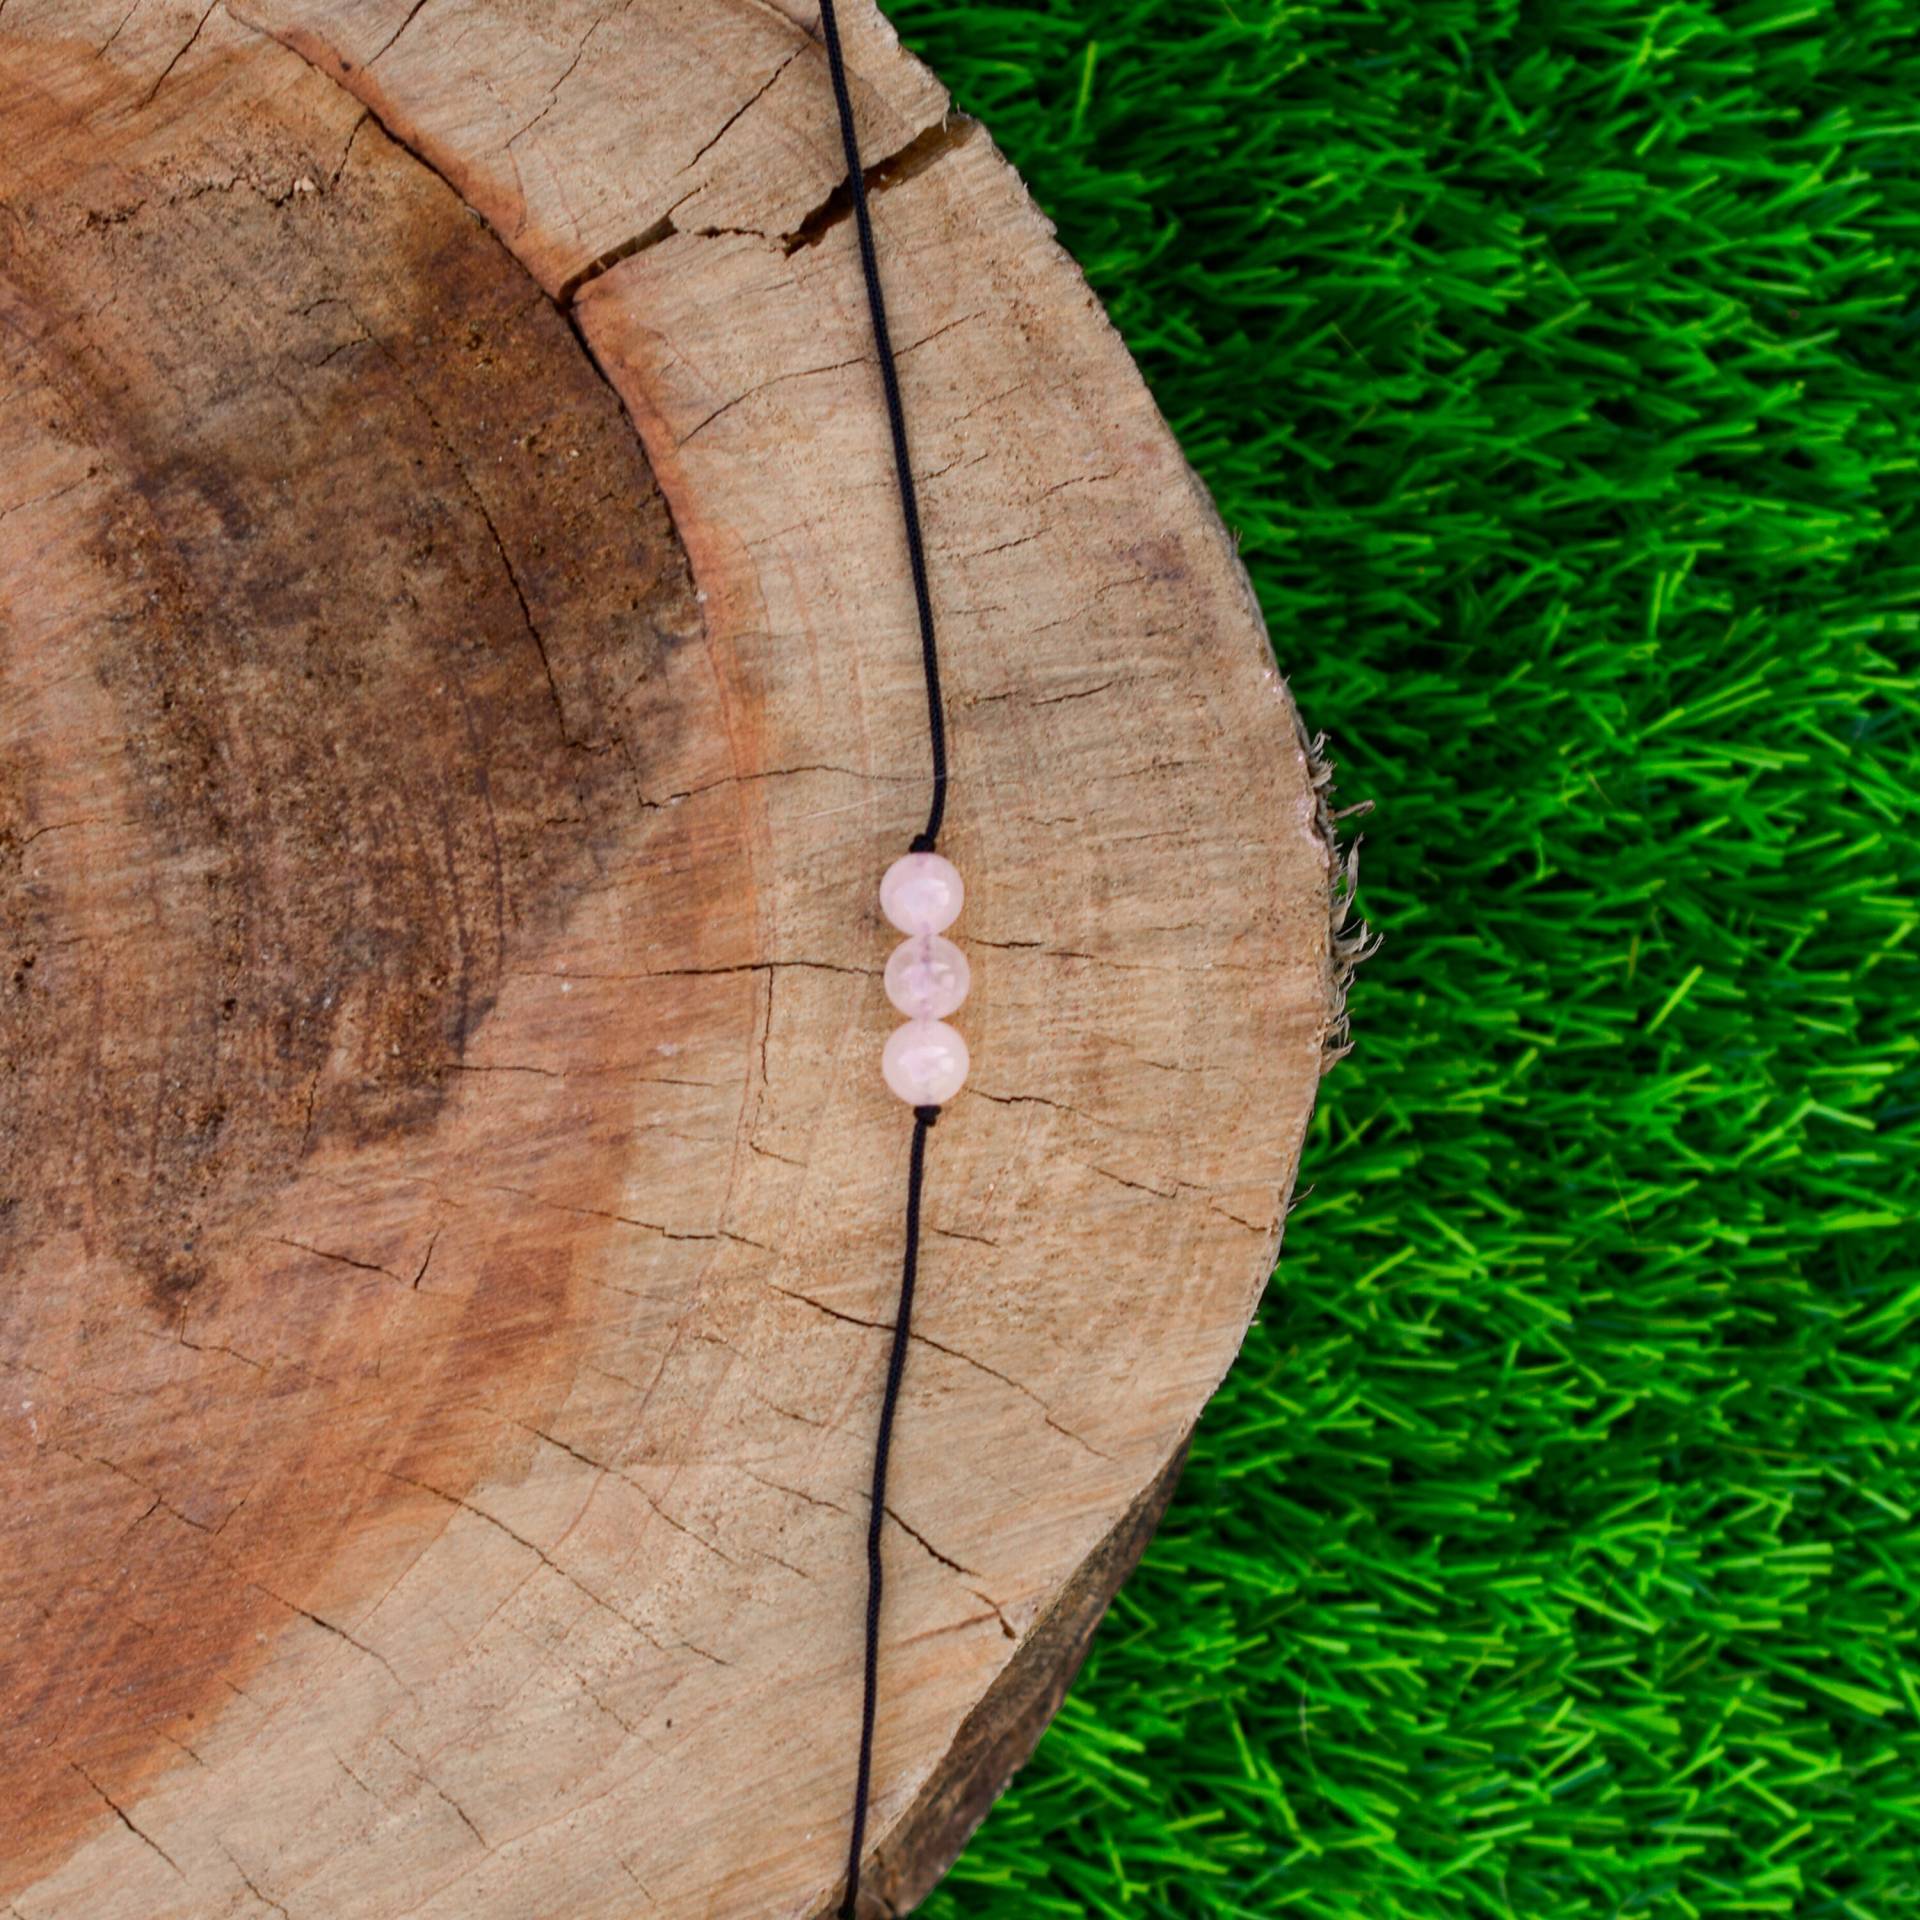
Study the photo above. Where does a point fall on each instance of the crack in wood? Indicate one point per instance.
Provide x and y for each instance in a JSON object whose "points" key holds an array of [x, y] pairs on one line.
{"points": [[125, 1819]]}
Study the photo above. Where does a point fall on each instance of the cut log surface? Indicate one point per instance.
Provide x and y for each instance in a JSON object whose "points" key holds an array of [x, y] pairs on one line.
{"points": [[458, 692]]}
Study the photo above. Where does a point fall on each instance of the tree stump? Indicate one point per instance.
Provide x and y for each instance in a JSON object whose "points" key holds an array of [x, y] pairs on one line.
{"points": [[459, 691]]}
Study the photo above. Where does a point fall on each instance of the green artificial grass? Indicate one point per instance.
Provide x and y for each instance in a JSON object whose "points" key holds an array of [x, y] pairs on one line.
{"points": [[1553, 1549]]}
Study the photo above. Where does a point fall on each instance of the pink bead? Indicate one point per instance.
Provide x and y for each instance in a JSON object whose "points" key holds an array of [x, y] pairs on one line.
{"points": [[927, 977], [921, 893], [925, 1062]]}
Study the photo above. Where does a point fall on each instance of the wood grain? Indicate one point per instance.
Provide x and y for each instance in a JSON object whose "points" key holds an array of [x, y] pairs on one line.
{"points": [[457, 692]]}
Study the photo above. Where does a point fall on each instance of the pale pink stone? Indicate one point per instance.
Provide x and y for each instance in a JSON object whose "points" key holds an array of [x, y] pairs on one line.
{"points": [[928, 977], [921, 893], [925, 1062]]}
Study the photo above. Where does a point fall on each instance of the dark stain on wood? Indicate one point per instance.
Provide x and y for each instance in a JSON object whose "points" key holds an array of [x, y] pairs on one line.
{"points": [[372, 614]]}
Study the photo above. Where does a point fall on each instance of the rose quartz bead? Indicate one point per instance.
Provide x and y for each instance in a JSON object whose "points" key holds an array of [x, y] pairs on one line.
{"points": [[921, 893], [928, 977], [925, 1062]]}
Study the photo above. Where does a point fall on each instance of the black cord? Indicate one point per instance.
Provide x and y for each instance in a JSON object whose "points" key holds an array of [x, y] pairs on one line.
{"points": [[923, 842], [923, 1119]]}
